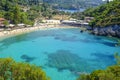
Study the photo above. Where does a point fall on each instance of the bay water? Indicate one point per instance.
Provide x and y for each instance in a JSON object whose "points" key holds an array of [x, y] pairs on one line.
{"points": [[63, 54]]}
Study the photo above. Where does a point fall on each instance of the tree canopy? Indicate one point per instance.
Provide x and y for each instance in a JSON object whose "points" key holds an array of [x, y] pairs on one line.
{"points": [[111, 73], [105, 15], [11, 70], [73, 4], [22, 11]]}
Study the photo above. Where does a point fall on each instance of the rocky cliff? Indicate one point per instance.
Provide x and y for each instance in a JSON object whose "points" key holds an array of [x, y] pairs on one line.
{"points": [[113, 31]]}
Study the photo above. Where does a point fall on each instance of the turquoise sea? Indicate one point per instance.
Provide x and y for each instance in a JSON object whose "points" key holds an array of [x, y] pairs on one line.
{"points": [[62, 53]]}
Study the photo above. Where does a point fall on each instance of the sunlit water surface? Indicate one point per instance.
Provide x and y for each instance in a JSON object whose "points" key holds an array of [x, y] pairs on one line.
{"points": [[62, 53]]}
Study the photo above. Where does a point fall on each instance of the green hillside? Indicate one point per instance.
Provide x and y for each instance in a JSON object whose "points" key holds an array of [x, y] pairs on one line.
{"points": [[73, 4], [105, 15], [65, 4], [22, 11]]}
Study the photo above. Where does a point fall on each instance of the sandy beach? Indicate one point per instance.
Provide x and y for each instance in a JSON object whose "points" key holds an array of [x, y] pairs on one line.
{"points": [[6, 34]]}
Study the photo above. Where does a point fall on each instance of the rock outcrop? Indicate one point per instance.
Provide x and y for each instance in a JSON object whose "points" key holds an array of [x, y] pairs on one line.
{"points": [[113, 31]]}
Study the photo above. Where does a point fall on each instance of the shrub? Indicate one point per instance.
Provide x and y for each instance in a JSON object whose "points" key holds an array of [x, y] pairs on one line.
{"points": [[11, 70]]}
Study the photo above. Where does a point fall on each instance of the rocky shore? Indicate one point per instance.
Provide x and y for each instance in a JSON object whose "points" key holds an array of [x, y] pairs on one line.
{"points": [[113, 31]]}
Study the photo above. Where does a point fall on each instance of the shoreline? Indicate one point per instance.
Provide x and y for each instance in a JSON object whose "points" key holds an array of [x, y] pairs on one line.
{"points": [[15, 32]]}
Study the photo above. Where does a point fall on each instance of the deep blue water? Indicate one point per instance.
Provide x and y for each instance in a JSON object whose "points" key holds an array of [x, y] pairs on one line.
{"points": [[62, 53], [72, 11]]}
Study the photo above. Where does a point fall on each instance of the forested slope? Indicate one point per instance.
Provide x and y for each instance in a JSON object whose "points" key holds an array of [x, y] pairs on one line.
{"points": [[73, 4], [23, 11], [105, 15]]}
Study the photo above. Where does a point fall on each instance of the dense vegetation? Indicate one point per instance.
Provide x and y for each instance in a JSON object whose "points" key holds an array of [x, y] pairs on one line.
{"points": [[65, 4], [24, 11], [10, 10], [78, 15], [105, 15], [73, 4], [111, 73], [11, 70]]}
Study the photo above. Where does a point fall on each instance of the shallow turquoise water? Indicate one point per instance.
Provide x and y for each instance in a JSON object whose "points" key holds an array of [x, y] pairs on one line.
{"points": [[62, 53]]}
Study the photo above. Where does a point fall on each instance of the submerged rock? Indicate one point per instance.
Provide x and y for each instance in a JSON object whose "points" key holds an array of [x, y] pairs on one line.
{"points": [[65, 60], [27, 58]]}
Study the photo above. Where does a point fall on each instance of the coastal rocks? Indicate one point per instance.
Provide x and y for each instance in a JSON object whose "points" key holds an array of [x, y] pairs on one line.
{"points": [[118, 32], [113, 31]]}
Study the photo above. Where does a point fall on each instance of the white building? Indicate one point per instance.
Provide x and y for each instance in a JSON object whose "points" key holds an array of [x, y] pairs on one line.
{"points": [[107, 0], [51, 21]]}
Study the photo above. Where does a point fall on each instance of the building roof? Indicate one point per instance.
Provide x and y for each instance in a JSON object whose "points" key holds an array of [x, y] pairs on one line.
{"points": [[2, 19]]}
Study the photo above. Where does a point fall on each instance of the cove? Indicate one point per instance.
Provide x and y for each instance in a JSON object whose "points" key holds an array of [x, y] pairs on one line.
{"points": [[62, 53]]}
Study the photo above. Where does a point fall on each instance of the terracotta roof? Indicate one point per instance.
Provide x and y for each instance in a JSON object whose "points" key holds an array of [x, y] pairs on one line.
{"points": [[2, 19]]}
